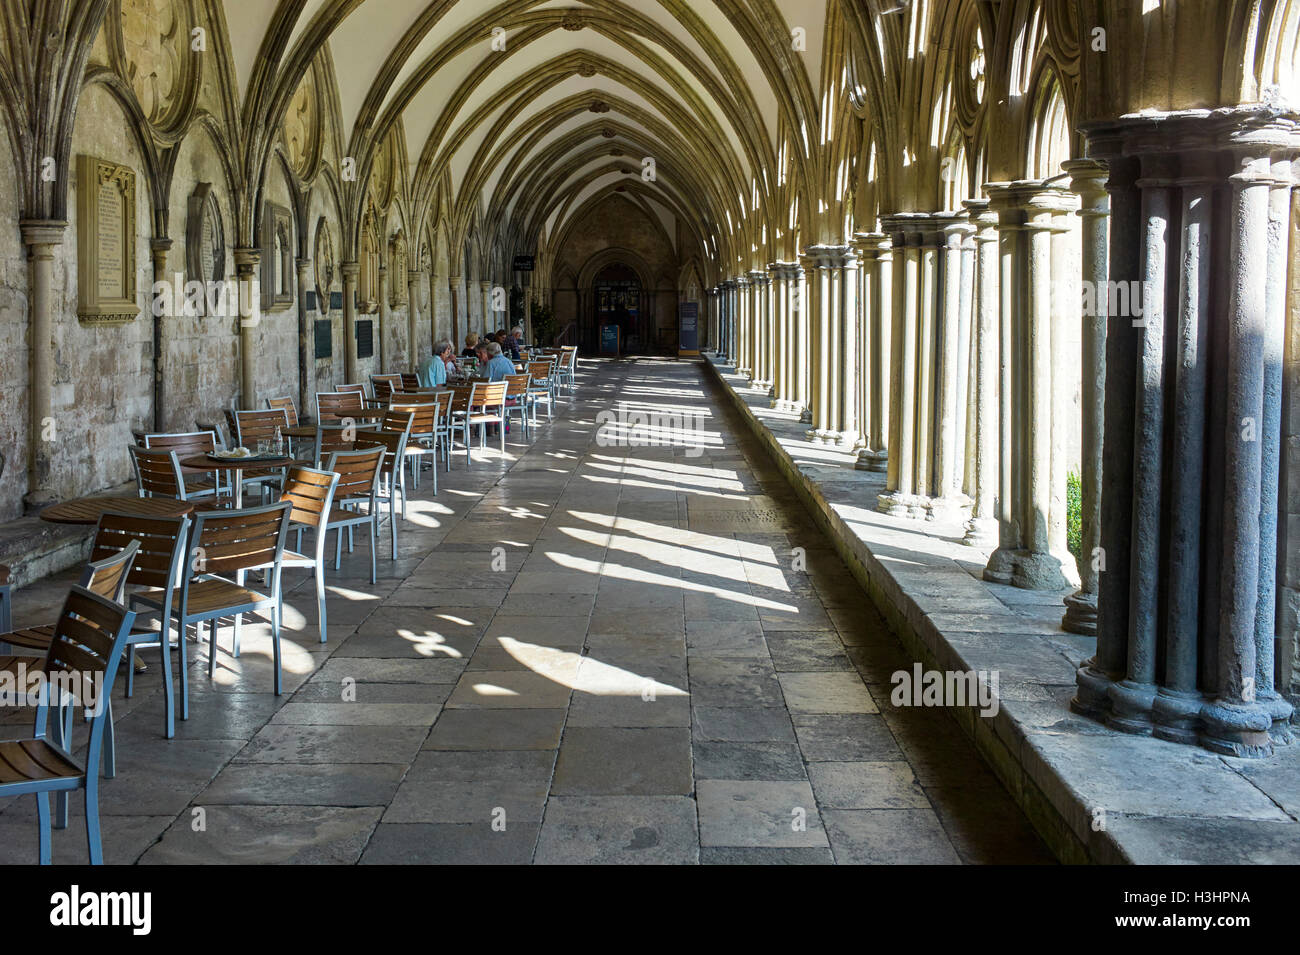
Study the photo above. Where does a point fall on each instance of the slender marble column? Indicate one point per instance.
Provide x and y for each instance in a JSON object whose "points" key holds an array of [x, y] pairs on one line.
{"points": [[832, 282], [880, 320], [982, 527], [744, 333], [783, 352], [350, 272], [458, 328], [488, 315], [1088, 180], [949, 500], [250, 316], [41, 236], [759, 302], [381, 324], [900, 498], [413, 336], [803, 348], [158, 249], [306, 336]]}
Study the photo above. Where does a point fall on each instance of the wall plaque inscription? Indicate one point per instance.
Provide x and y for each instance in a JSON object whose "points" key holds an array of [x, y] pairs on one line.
{"points": [[106, 279]]}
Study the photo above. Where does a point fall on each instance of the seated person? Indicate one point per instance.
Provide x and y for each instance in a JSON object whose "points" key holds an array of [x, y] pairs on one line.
{"points": [[498, 365], [517, 336], [433, 370], [508, 346], [471, 343]]}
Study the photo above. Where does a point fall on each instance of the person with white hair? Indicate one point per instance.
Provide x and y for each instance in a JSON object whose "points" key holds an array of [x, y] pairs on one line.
{"points": [[433, 370], [498, 365]]}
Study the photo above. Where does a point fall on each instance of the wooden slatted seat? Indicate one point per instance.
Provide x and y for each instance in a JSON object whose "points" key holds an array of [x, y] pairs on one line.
{"points": [[382, 387], [284, 403], [333, 406], [310, 495], [89, 638], [425, 433], [186, 444], [518, 399], [358, 485]]}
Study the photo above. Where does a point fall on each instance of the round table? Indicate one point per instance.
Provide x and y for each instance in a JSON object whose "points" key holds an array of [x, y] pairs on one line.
{"points": [[234, 465], [88, 510]]}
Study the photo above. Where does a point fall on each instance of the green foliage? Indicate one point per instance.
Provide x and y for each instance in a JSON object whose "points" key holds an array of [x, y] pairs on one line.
{"points": [[1074, 515], [543, 324]]}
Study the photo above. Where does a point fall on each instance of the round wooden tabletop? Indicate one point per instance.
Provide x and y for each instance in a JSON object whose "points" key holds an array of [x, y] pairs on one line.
{"points": [[236, 464], [88, 510]]}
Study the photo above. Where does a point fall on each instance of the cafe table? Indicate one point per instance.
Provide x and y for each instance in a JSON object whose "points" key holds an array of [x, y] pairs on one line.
{"points": [[233, 467], [88, 510]]}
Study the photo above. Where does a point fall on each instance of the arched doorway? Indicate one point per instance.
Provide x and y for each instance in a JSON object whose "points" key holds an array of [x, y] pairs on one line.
{"points": [[616, 300]]}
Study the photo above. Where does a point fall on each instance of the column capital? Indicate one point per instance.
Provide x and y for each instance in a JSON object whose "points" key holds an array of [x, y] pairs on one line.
{"points": [[303, 265], [758, 277], [983, 218], [783, 270], [870, 244], [413, 275], [350, 270], [828, 257], [41, 236], [740, 281], [247, 259]]}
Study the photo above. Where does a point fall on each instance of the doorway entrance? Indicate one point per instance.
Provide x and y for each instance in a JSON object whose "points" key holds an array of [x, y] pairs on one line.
{"points": [[616, 295]]}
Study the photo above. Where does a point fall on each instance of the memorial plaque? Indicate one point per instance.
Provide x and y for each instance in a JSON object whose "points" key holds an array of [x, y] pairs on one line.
{"points": [[205, 240], [106, 241], [324, 338], [365, 338], [336, 300]]}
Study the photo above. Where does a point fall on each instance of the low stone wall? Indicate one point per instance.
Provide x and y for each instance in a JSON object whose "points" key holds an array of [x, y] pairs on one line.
{"points": [[1094, 795]]}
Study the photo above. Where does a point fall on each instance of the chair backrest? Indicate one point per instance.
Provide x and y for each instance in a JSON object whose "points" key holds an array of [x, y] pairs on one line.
{"points": [[393, 444], [332, 405], [88, 640], [488, 394], [161, 542], [218, 433], [310, 492], [285, 403], [539, 371], [424, 414], [569, 356], [460, 396], [517, 385], [107, 575], [231, 540], [331, 438], [158, 473], [355, 388], [396, 420], [254, 426], [184, 443], [383, 385], [358, 471], [410, 380], [232, 429]]}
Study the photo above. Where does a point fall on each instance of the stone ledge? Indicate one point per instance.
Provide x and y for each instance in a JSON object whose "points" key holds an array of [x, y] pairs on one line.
{"points": [[1161, 802]]}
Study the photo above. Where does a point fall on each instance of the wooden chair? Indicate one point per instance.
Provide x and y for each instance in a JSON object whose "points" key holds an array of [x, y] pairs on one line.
{"points": [[423, 438], [252, 427], [517, 398], [487, 402], [383, 385], [394, 433], [235, 542], [410, 381], [332, 406], [358, 472], [89, 637], [358, 388], [186, 444], [542, 385], [158, 473], [310, 494], [284, 403], [568, 366], [219, 433], [331, 438]]}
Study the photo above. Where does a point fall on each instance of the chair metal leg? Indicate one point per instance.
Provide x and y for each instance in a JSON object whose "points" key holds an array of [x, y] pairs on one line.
{"points": [[110, 744], [338, 548], [184, 666], [94, 842], [169, 693], [275, 643], [319, 573], [373, 567], [212, 648], [43, 826]]}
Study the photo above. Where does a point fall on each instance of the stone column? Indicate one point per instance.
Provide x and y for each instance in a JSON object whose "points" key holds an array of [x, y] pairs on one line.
{"points": [[1192, 428], [1031, 480], [413, 336], [781, 274], [762, 342], [1088, 180], [306, 337], [744, 331], [899, 498], [458, 328], [488, 314], [875, 308], [41, 236], [949, 499], [250, 317], [158, 249], [802, 401], [982, 527], [381, 324], [831, 276], [350, 272]]}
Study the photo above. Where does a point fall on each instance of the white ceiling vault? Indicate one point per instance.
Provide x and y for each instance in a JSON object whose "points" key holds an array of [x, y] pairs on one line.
{"points": [[515, 115]]}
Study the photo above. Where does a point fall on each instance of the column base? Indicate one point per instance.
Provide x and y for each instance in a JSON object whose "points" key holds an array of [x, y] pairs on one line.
{"points": [[981, 532], [1237, 729], [1001, 565], [38, 499], [805, 413], [1130, 707], [1176, 716], [1036, 570], [1092, 692], [894, 504], [1080, 614], [1281, 711], [867, 460]]}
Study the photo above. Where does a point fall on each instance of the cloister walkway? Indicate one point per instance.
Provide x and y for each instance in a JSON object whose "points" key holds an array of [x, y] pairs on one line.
{"points": [[591, 651]]}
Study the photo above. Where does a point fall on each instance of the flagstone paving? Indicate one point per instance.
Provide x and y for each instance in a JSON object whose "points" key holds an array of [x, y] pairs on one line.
{"points": [[588, 652]]}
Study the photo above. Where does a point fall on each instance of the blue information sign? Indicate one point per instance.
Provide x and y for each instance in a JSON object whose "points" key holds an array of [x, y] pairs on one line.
{"points": [[688, 328], [609, 339]]}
